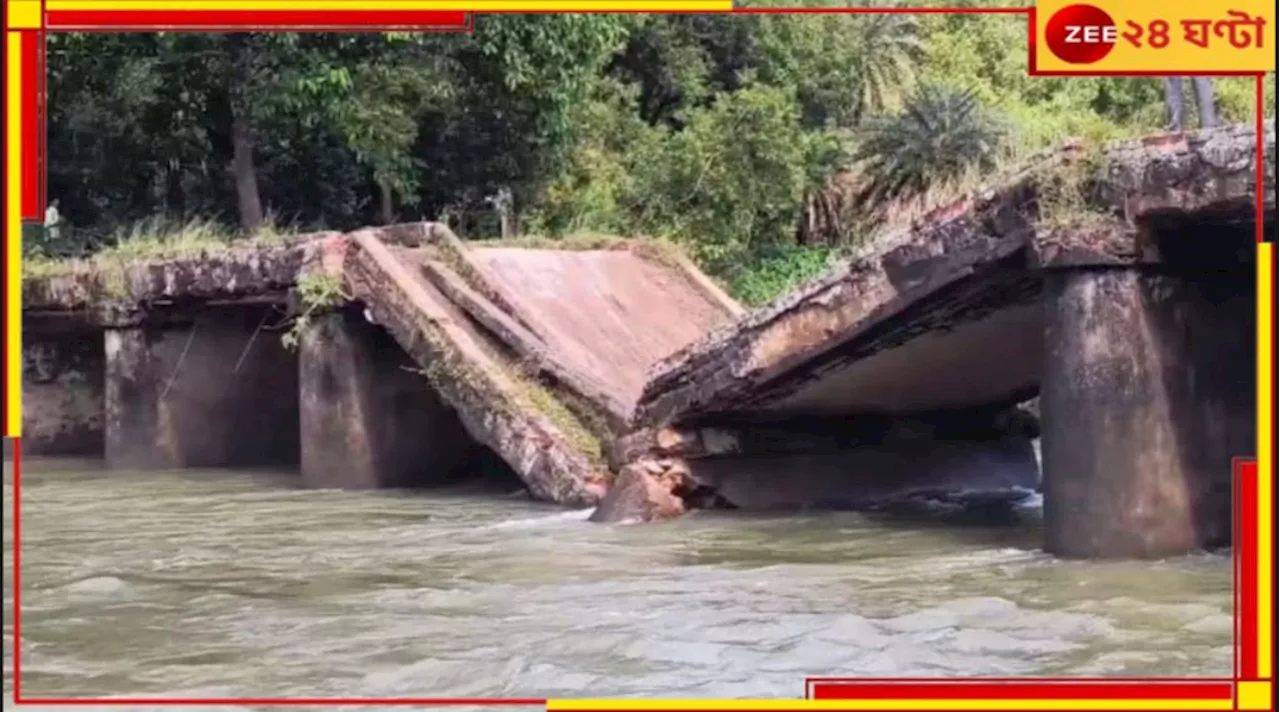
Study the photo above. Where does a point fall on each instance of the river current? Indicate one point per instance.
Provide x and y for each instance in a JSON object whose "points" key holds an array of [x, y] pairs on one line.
{"points": [[240, 584]]}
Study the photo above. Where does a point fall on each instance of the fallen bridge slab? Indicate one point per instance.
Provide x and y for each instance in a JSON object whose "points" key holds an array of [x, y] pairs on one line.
{"points": [[498, 408], [1117, 285], [609, 311], [948, 313]]}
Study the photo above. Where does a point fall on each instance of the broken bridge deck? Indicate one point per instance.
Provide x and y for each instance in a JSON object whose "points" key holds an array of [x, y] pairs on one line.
{"points": [[948, 314]]}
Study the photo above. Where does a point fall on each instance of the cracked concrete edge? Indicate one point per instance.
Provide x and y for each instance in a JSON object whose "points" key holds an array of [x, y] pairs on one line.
{"points": [[487, 399], [460, 257], [1188, 172], [230, 273], [484, 395], [1181, 171]]}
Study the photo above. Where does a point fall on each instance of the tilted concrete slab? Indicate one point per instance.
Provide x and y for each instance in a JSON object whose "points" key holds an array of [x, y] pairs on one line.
{"points": [[592, 316], [587, 322], [528, 346], [612, 314], [495, 407], [947, 314]]}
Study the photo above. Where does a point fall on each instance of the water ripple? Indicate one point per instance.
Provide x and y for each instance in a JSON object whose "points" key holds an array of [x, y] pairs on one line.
{"points": [[242, 584]]}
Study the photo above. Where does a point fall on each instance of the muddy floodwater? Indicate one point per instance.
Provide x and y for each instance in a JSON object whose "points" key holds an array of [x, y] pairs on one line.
{"points": [[202, 583]]}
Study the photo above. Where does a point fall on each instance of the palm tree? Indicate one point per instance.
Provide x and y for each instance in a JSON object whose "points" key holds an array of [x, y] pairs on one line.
{"points": [[940, 135], [881, 54], [887, 48]]}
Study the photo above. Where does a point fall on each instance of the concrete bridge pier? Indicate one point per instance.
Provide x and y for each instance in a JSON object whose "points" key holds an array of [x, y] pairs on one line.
{"points": [[209, 390], [62, 389], [1147, 395], [369, 418]]}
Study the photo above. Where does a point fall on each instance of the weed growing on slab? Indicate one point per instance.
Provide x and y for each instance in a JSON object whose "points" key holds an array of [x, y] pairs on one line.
{"points": [[317, 292], [1066, 192], [153, 239]]}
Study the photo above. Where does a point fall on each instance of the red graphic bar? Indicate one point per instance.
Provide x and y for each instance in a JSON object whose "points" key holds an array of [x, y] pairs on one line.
{"points": [[184, 702], [1020, 690], [116, 20], [16, 445], [1246, 551], [881, 10], [32, 207]]}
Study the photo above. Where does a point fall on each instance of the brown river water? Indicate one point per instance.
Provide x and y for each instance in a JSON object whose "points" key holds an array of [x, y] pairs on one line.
{"points": [[239, 584]]}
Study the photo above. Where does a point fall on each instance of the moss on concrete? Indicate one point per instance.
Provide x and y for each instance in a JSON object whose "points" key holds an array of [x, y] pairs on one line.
{"points": [[155, 240], [543, 398], [534, 394], [317, 292], [659, 250], [1066, 191]]}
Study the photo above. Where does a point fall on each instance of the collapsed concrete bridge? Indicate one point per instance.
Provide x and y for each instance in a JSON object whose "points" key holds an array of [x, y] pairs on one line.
{"points": [[416, 356], [1117, 286]]}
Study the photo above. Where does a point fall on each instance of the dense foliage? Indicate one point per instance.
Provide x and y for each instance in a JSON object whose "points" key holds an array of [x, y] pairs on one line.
{"points": [[760, 142]]}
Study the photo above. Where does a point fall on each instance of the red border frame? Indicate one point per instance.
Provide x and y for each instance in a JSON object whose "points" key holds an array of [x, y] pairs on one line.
{"points": [[1019, 689], [1245, 568], [1245, 471], [267, 20]]}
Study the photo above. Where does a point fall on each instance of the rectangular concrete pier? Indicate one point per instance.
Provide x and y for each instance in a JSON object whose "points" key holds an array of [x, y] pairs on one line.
{"points": [[63, 363], [214, 392], [369, 418]]}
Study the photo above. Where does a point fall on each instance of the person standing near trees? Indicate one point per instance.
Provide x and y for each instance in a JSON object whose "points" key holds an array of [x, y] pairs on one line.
{"points": [[1206, 102], [52, 221]]}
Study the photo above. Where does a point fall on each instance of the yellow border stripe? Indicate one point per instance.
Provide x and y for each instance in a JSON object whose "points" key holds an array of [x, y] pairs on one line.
{"points": [[881, 704], [13, 232], [325, 5], [24, 14], [1266, 453], [1253, 695]]}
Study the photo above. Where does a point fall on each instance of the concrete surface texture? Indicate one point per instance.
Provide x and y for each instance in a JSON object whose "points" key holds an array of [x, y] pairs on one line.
{"points": [[498, 407], [611, 313]]}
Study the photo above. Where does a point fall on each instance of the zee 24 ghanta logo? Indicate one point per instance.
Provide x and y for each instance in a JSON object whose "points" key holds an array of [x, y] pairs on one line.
{"points": [[1085, 34]]}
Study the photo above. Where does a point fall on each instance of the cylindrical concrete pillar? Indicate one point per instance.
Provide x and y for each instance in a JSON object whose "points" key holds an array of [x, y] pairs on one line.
{"points": [[1147, 395]]}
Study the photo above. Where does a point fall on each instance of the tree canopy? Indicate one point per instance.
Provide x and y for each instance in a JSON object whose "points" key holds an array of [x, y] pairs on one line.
{"points": [[760, 142]]}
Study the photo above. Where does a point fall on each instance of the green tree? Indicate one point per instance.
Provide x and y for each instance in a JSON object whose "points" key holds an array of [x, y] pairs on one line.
{"points": [[939, 135], [730, 133], [733, 180], [516, 82], [840, 66]]}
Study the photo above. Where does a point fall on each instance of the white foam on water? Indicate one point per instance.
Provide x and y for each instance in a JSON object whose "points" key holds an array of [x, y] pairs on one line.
{"points": [[579, 515], [96, 586], [1033, 502]]}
